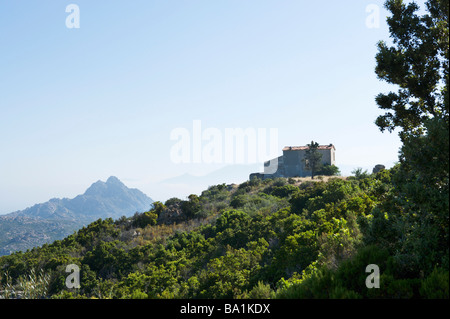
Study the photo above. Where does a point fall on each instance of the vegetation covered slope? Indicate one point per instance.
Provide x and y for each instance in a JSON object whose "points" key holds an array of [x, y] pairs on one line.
{"points": [[261, 239]]}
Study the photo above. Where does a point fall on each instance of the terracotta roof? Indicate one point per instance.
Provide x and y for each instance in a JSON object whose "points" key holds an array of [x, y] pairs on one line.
{"points": [[302, 148]]}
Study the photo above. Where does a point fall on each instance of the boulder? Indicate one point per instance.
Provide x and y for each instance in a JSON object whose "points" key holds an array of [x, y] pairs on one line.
{"points": [[378, 168]]}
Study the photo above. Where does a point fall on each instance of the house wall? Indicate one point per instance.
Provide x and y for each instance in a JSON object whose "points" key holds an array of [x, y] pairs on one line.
{"points": [[291, 164], [327, 156], [294, 165], [275, 167]]}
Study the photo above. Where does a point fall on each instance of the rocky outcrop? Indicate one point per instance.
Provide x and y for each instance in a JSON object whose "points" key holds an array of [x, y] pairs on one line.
{"points": [[378, 168]]}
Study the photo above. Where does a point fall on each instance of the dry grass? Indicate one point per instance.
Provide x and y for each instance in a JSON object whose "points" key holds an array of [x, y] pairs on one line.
{"points": [[159, 233], [320, 178]]}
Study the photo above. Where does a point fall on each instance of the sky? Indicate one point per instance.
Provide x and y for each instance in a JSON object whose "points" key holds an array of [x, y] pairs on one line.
{"points": [[105, 97]]}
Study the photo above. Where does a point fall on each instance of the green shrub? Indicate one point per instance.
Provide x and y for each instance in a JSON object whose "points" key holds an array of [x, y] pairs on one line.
{"points": [[329, 170], [138, 294], [145, 219], [191, 208], [279, 181], [436, 285], [352, 272], [340, 292], [238, 201], [316, 286], [261, 291], [283, 191]]}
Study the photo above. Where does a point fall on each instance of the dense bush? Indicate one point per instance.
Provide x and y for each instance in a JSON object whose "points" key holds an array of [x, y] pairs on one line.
{"points": [[329, 170]]}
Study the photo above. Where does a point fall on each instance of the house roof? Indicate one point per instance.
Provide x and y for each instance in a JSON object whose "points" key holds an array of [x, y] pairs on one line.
{"points": [[302, 148]]}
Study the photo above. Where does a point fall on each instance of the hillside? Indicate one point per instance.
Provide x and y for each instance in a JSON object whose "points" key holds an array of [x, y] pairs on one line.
{"points": [[57, 218], [277, 238]]}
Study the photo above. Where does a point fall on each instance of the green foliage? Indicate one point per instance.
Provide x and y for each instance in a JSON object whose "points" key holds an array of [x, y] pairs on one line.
{"points": [[329, 170], [158, 208], [436, 285], [359, 173], [261, 291], [238, 201], [229, 275], [145, 219], [283, 191], [348, 280], [315, 286], [306, 191], [313, 240], [418, 204], [313, 158], [232, 219], [191, 207], [423, 182], [417, 63]]}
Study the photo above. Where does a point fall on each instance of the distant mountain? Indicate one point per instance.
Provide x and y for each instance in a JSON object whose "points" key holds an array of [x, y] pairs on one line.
{"points": [[58, 218]]}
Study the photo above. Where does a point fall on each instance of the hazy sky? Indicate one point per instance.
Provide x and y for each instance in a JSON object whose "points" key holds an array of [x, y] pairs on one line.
{"points": [[78, 105]]}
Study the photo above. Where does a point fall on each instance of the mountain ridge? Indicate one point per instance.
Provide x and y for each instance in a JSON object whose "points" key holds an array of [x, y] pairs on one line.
{"points": [[58, 217]]}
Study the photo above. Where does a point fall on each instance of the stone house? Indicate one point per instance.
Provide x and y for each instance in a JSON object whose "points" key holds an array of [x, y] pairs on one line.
{"points": [[292, 164]]}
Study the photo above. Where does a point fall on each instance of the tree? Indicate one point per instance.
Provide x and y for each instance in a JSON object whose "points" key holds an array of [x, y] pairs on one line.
{"points": [[192, 206], [313, 158], [359, 173], [418, 64], [158, 207]]}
